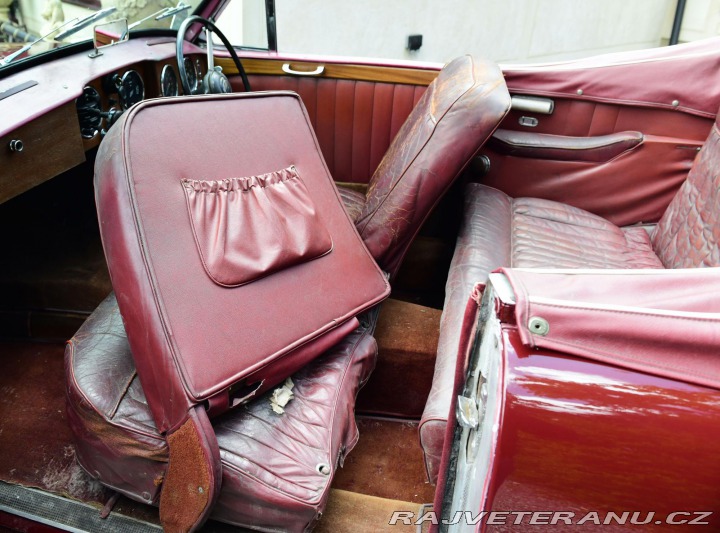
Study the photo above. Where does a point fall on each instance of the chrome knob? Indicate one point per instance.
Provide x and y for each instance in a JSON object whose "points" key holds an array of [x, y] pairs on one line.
{"points": [[16, 145]]}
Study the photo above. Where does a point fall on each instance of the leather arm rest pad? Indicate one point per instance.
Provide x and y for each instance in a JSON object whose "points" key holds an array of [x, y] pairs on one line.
{"points": [[596, 149]]}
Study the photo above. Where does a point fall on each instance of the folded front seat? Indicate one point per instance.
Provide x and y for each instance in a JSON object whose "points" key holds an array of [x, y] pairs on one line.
{"points": [[228, 252], [276, 469]]}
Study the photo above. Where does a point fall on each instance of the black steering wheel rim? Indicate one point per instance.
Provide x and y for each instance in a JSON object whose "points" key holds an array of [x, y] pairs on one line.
{"points": [[180, 56]]}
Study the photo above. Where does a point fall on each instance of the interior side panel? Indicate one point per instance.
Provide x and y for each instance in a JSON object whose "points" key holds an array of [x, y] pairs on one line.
{"points": [[587, 118], [636, 186], [628, 92], [355, 121]]}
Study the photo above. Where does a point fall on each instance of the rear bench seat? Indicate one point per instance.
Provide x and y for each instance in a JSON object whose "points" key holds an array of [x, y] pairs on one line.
{"points": [[501, 231]]}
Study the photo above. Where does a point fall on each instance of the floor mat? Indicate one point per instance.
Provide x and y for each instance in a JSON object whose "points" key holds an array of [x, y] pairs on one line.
{"points": [[35, 442], [387, 462]]}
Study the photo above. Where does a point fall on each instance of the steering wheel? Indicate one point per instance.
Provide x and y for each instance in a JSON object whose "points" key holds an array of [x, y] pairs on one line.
{"points": [[214, 81]]}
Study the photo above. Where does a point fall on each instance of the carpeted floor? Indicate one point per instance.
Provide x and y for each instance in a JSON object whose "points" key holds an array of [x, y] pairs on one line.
{"points": [[385, 470], [407, 336], [387, 462], [35, 442]]}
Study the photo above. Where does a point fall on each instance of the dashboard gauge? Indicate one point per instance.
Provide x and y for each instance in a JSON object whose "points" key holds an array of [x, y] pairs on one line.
{"points": [[89, 112], [131, 89], [169, 81], [191, 74]]}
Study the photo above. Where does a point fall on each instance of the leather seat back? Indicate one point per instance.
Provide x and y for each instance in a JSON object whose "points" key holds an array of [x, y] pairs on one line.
{"points": [[688, 233], [459, 111]]}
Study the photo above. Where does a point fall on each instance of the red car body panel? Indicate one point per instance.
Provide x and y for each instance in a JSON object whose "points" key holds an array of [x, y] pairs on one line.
{"points": [[582, 436]]}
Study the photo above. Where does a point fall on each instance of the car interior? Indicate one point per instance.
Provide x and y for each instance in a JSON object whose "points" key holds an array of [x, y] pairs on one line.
{"points": [[447, 175]]}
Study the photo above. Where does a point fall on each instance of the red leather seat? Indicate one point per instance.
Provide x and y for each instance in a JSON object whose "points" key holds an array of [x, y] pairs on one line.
{"points": [[499, 231], [457, 114], [276, 469]]}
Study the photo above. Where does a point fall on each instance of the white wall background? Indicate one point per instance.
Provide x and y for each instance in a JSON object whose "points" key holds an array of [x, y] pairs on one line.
{"points": [[502, 30]]}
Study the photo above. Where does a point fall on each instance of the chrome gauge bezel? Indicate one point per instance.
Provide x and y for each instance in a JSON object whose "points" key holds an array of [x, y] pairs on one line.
{"points": [[168, 73], [90, 119], [122, 87]]}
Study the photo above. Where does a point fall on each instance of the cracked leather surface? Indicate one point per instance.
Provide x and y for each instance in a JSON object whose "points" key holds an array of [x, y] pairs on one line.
{"points": [[501, 231], [353, 202], [270, 463], [458, 112], [689, 232]]}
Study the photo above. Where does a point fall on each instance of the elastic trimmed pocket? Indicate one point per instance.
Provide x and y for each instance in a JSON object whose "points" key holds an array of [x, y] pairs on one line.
{"points": [[248, 228]]}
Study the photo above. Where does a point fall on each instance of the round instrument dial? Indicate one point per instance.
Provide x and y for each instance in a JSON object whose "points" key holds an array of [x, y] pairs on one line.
{"points": [[169, 81], [89, 110], [131, 89], [191, 74]]}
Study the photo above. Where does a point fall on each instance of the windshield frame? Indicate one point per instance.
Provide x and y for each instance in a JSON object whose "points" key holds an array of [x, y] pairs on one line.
{"points": [[69, 48]]}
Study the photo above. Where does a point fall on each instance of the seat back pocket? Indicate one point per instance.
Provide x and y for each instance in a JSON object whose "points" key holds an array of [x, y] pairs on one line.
{"points": [[248, 228]]}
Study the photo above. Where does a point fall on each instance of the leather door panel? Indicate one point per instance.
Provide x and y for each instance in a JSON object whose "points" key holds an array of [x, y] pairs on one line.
{"points": [[635, 186], [630, 91]]}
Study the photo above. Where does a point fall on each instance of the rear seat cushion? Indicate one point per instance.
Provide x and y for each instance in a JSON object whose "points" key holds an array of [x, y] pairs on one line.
{"points": [[273, 473], [501, 231]]}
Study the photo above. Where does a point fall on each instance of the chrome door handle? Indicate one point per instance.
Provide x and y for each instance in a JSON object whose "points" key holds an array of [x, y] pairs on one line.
{"points": [[287, 69]]}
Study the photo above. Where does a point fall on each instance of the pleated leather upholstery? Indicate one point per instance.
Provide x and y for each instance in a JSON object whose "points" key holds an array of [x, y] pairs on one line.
{"points": [[271, 464], [526, 232], [354, 121]]}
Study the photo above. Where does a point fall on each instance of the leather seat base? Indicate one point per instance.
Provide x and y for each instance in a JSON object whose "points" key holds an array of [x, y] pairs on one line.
{"points": [[277, 469], [499, 231]]}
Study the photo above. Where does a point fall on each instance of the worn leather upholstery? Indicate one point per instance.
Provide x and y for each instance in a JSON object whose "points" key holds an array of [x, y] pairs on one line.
{"points": [[499, 231], [448, 124], [458, 112], [138, 185], [270, 463], [689, 232], [353, 201]]}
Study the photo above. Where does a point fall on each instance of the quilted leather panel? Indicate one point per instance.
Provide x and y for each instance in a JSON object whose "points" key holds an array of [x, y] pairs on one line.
{"points": [[689, 232], [355, 121], [525, 232], [269, 461]]}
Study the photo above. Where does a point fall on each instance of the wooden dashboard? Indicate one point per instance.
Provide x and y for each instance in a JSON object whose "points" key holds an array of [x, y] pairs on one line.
{"points": [[45, 131]]}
